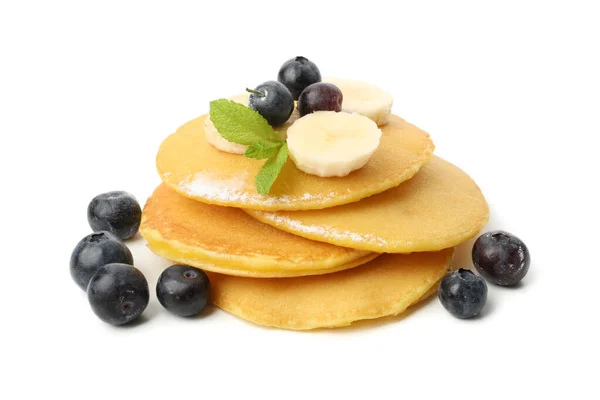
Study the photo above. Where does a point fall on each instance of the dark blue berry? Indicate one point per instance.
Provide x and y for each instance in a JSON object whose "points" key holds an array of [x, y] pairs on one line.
{"points": [[94, 251], [183, 290], [320, 97], [273, 101], [501, 258], [118, 293], [117, 212], [462, 293], [297, 74]]}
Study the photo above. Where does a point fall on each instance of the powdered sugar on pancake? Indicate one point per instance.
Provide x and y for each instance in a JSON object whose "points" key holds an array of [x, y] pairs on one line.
{"points": [[224, 190], [325, 231], [235, 190]]}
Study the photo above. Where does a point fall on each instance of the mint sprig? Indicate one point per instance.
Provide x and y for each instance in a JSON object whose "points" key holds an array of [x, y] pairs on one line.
{"points": [[271, 170], [240, 124], [263, 149]]}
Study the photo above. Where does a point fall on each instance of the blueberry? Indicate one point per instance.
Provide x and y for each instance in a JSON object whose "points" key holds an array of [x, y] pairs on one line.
{"points": [[117, 212], [118, 293], [183, 290], [297, 74], [273, 101], [94, 251], [501, 258], [462, 293], [320, 97]]}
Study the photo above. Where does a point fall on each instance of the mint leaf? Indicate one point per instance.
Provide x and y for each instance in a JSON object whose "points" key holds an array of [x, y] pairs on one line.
{"points": [[271, 169], [238, 123], [263, 149]]}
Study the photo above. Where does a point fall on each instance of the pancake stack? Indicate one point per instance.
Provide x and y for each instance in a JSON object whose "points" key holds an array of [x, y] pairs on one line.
{"points": [[316, 252]]}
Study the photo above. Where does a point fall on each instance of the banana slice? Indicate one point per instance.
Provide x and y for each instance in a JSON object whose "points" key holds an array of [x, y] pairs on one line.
{"points": [[214, 137], [242, 98], [365, 99], [328, 143]]}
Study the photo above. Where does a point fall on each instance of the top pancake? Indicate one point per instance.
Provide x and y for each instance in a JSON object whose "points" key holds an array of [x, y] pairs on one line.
{"points": [[188, 164], [439, 207]]}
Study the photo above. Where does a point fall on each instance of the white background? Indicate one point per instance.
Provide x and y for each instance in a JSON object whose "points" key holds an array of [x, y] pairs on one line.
{"points": [[509, 91]]}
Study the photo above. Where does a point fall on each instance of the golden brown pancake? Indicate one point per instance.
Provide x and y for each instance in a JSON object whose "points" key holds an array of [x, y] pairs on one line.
{"points": [[388, 285], [227, 240], [439, 207], [188, 164]]}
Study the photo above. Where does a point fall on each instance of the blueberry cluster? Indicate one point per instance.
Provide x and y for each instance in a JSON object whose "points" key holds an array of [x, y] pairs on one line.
{"points": [[102, 265], [500, 258], [298, 79]]}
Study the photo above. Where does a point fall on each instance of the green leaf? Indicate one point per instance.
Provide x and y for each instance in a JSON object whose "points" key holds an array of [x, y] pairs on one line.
{"points": [[271, 169], [263, 149], [238, 123]]}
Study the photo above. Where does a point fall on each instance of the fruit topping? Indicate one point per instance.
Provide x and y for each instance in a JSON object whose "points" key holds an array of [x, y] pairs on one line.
{"points": [[501, 258], [242, 125], [320, 96], [328, 143], [118, 293], [462, 293], [273, 101], [297, 74], [94, 251], [116, 212], [183, 290], [242, 98], [365, 99]]}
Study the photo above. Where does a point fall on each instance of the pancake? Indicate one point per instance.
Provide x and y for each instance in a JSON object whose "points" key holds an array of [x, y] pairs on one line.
{"points": [[188, 164], [385, 286], [227, 240], [439, 207]]}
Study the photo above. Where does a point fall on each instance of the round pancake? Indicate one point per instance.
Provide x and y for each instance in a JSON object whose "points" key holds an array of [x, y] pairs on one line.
{"points": [[439, 207], [388, 285], [188, 164], [227, 240]]}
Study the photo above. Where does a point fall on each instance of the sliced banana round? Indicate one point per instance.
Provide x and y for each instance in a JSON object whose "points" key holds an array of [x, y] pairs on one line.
{"points": [[242, 98], [214, 137], [328, 143], [365, 99]]}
